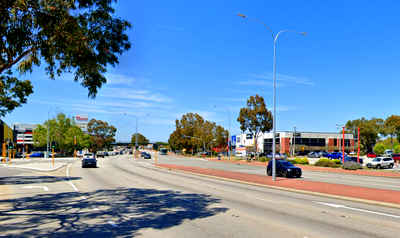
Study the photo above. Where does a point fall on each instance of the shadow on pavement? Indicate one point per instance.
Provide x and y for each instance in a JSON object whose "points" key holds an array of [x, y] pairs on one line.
{"points": [[33, 179], [68, 215]]}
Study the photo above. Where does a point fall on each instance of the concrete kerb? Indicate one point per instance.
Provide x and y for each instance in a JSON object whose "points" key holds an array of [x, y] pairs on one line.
{"points": [[372, 202], [35, 169]]}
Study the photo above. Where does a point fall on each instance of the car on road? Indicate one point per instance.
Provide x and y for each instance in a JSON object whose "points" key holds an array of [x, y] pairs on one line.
{"points": [[143, 153], [37, 154], [381, 162], [89, 162], [147, 156], [88, 155], [353, 158], [314, 155], [371, 155], [100, 154], [284, 168]]}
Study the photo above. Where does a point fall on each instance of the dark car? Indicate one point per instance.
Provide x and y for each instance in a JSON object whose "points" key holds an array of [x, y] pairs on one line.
{"points": [[314, 155], [147, 156], [335, 155], [143, 153], [284, 168], [89, 162], [354, 159], [37, 154], [302, 153]]}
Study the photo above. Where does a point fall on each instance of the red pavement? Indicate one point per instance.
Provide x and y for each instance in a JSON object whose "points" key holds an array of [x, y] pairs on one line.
{"points": [[346, 192]]}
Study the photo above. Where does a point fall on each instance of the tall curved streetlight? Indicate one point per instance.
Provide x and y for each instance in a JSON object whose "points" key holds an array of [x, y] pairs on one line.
{"points": [[48, 126], [229, 134], [136, 134], [274, 118]]}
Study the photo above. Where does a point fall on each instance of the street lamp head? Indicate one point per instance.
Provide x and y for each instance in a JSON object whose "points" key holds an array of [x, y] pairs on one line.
{"points": [[304, 33], [215, 106], [240, 15]]}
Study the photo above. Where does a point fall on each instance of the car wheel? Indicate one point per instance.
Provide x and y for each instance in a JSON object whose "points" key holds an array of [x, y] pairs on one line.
{"points": [[298, 176], [390, 166], [284, 174], [269, 172], [378, 167], [95, 165]]}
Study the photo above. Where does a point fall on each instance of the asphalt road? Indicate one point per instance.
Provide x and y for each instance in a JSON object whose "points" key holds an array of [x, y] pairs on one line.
{"points": [[126, 197]]}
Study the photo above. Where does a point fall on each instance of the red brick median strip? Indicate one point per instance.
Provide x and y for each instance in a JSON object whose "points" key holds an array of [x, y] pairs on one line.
{"points": [[373, 194]]}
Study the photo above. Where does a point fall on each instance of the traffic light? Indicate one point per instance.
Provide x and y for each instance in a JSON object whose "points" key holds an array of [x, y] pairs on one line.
{"points": [[11, 145], [53, 144], [137, 147], [155, 146], [75, 146]]}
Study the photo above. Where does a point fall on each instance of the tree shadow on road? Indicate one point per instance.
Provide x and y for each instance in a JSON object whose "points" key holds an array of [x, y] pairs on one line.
{"points": [[19, 180], [71, 215]]}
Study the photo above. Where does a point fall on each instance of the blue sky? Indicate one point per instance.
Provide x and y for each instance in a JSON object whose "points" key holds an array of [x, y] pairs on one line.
{"points": [[188, 56]]}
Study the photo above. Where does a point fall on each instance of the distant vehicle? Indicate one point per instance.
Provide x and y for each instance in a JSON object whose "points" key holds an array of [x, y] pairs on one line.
{"points": [[302, 153], [371, 155], [106, 153], [277, 155], [89, 155], [354, 159], [314, 155], [381, 162], [100, 154], [396, 157], [143, 153], [335, 155], [388, 153], [37, 154], [130, 152], [284, 168], [323, 154], [147, 156], [55, 154], [164, 151]]}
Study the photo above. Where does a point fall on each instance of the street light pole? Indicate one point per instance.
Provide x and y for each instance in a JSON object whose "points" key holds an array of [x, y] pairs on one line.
{"points": [[294, 141], [48, 126], [274, 113], [136, 134], [229, 134]]}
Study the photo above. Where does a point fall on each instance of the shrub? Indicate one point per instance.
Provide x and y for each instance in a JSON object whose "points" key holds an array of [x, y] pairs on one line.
{"points": [[336, 161], [350, 165], [379, 148], [304, 161], [296, 161], [290, 160], [324, 160], [263, 159], [326, 163]]}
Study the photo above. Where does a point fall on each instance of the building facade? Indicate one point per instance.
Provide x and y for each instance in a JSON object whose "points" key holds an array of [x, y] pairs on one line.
{"points": [[289, 142]]}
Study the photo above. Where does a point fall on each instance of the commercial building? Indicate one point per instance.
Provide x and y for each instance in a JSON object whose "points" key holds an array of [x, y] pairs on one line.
{"points": [[288, 141]]}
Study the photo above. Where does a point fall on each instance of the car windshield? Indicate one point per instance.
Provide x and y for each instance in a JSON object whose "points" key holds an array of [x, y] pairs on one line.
{"points": [[286, 163], [376, 160]]}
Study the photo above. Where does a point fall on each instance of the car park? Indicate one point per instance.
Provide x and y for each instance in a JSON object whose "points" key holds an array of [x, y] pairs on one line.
{"points": [[354, 159], [284, 168], [371, 155], [381, 162]]}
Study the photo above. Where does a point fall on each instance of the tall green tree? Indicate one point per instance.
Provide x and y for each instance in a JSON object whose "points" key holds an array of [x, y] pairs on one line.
{"points": [[102, 134], [255, 117], [62, 130], [369, 131], [141, 139], [391, 127], [75, 36]]}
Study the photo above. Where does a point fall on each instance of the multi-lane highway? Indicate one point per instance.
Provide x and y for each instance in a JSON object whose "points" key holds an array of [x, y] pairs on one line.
{"points": [[130, 197]]}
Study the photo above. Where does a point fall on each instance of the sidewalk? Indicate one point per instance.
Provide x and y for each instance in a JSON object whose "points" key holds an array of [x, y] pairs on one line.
{"points": [[37, 164]]}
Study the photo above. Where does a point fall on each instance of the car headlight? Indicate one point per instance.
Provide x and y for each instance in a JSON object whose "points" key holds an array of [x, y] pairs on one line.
{"points": [[289, 170]]}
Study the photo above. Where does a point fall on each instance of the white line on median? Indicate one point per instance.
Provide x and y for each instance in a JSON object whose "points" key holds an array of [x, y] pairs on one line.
{"points": [[112, 223], [265, 200], [356, 209]]}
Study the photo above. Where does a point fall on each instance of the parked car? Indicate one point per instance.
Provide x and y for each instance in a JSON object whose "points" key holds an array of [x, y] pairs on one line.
{"points": [[381, 162], [324, 154], [147, 156], [284, 168], [277, 155], [89, 162], [354, 159], [302, 153], [371, 155], [335, 155], [37, 154], [100, 154], [106, 153], [396, 157], [314, 155]]}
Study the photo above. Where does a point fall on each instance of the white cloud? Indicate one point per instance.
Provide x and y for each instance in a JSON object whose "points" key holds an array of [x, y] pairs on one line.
{"points": [[283, 78]]}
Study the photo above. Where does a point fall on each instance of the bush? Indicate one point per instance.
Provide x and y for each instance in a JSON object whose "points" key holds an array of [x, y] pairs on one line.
{"points": [[290, 160], [324, 160], [264, 159], [350, 165], [296, 161], [336, 161], [379, 148], [326, 163], [304, 161]]}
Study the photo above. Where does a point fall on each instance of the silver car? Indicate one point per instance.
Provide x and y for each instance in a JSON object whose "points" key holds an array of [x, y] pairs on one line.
{"points": [[381, 162]]}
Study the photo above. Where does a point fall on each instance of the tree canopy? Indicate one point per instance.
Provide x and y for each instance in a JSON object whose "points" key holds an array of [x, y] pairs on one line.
{"points": [[102, 134], [81, 37], [141, 139], [255, 117], [193, 125]]}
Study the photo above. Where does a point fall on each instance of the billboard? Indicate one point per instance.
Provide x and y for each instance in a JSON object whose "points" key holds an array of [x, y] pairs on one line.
{"points": [[241, 151], [82, 120], [233, 139]]}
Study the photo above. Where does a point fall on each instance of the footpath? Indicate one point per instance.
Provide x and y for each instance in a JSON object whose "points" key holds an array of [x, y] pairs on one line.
{"points": [[381, 197]]}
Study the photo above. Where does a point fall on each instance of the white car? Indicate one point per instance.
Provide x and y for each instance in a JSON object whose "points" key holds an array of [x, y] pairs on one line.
{"points": [[88, 155], [381, 162]]}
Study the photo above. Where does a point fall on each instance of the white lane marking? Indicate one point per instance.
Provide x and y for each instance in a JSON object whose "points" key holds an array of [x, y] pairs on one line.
{"points": [[83, 197], [70, 182], [44, 187], [180, 198], [112, 223], [265, 200], [95, 208], [356, 209]]}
